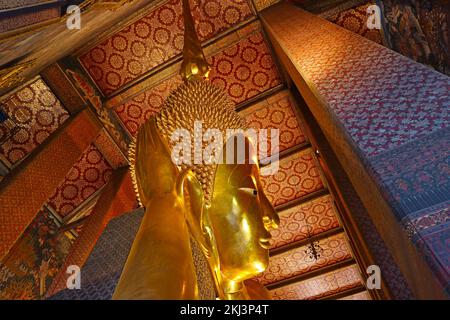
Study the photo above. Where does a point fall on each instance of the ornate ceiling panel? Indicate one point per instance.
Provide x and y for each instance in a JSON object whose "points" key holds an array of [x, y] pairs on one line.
{"points": [[296, 261], [317, 215], [233, 69], [320, 286], [36, 112], [245, 69], [263, 4], [139, 109], [155, 38], [87, 176], [277, 112], [355, 19], [298, 175]]}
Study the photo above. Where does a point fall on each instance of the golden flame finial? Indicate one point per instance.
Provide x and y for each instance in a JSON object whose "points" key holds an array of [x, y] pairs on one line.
{"points": [[194, 66]]}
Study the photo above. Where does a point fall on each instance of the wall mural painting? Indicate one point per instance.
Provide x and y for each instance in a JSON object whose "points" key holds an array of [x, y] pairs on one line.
{"points": [[29, 268], [420, 30]]}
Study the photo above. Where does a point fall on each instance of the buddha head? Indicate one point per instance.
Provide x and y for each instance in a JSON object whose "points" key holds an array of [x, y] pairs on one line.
{"points": [[229, 214], [241, 216]]}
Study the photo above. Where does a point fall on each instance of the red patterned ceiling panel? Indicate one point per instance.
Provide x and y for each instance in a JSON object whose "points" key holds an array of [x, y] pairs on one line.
{"points": [[88, 175], [135, 112], [37, 113], [317, 215], [296, 262], [139, 109], [245, 69], [156, 38], [276, 113], [355, 19], [320, 286], [297, 176]]}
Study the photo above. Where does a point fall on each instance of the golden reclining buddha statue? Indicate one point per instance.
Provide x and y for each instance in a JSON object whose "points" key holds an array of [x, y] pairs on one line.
{"points": [[218, 205]]}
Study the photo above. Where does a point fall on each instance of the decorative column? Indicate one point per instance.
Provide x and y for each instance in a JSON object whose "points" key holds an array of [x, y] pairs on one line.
{"points": [[29, 186], [118, 197], [386, 118]]}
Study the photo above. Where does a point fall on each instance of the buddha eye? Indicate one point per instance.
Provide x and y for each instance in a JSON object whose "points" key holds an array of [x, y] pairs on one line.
{"points": [[250, 191]]}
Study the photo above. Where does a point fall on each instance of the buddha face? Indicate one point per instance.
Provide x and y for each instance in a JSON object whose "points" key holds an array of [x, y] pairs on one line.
{"points": [[241, 217]]}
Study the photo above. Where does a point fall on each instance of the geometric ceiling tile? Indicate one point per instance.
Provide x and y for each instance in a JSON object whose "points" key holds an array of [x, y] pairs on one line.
{"points": [[355, 19], [276, 112], [155, 38], [296, 261], [317, 215], [88, 175], [320, 286], [297, 176], [139, 109], [263, 4], [245, 69], [251, 70], [36, 113]]}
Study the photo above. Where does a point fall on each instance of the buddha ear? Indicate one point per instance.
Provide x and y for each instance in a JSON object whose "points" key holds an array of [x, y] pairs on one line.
{"points": [[194, 206]]}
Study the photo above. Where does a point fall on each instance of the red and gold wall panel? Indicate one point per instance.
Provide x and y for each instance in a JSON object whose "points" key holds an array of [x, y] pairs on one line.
{"points": [[37, 113], [276, 112], [320, 286], [317, 215], [296, 261], [88, 175], [155, 38], [297, 176]]}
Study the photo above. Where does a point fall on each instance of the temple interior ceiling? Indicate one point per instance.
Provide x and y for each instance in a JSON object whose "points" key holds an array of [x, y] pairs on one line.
{"points": [[131, 58], [134, 67]]}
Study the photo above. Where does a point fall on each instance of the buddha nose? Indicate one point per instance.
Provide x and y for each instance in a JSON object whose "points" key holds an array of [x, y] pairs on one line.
{"points": [[270, 216]]}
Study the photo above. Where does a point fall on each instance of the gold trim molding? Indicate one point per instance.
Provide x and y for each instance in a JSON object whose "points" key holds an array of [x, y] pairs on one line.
{"points": [[12, 76]]}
